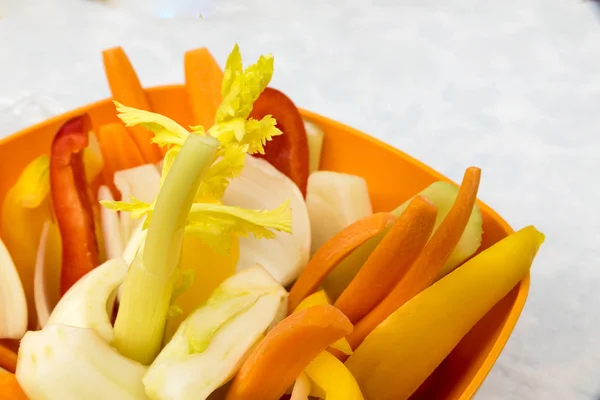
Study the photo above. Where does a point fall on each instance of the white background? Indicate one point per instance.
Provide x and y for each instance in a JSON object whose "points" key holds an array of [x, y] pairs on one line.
{"points": [[511, 86]]}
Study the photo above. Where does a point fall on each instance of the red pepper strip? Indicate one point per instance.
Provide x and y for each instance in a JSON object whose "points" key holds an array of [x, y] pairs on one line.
{"points": [[288, 152], [71, 201]]}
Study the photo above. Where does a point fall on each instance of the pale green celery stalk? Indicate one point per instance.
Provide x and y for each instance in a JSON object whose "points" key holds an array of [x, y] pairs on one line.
{"points": [[149, 283]]}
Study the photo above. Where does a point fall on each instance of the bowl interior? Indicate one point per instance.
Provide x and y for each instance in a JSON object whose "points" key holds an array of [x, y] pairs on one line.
{"points": [[392, 177]]}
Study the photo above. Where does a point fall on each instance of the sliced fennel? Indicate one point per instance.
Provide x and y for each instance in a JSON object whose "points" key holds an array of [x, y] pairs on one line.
{"points": [[334, 201], [13, 304], [211, 344], [315, 145], [262, 186], [71, 357], [88, 303], [70, 363]]}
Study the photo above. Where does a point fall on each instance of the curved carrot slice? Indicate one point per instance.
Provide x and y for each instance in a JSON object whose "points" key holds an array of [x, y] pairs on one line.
{"points": [[288, 152], [8, 359], [10, 388], [429, 263], [119, 151], [126, 88], [203, 78], [71, 201], [333, 252], [286, 351], [390, 261]]}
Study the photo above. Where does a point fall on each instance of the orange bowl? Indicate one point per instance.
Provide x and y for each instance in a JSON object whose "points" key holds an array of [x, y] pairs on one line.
{"points": [[392, 177]]}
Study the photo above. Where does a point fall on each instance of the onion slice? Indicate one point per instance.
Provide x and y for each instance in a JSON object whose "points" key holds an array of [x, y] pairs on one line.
{"points": [[46, 278], [334, 201], [13, 304]]}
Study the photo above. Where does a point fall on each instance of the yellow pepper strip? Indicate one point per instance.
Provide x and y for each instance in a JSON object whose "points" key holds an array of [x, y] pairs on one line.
{"points": [[317, 299], [331, 379], [92, 158], [205, 270], [25, 210], [406, 348]]}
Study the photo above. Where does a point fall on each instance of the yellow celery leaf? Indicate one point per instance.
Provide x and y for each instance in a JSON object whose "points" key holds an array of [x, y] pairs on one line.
{"points": [[24, 211], [257, 77], [135, 207], [202, 270], [253, 133], [197, 130], [241, 89], [229, 131], [166, 131], [233, 67], [217, 178], [258, 133], [170, 157], [217, 219], [92, 158]]}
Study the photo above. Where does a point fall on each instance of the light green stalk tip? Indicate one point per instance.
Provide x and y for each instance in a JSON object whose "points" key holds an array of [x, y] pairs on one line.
{"points": [[149, 283]]}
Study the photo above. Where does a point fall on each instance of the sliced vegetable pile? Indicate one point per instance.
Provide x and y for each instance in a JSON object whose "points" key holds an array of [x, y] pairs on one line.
{"points": [[145, 260]]}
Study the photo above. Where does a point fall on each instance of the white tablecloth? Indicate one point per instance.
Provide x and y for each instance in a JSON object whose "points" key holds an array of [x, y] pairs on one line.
{"points": [[511, 86]]}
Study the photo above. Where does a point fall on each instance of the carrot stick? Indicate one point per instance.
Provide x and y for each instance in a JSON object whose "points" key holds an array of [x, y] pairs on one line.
{"points": [[203, 78], [390, 261], [10, 388], [286, 351], [333, 252], [126, 89], [8, 359], [119, 151], [429, 263]]}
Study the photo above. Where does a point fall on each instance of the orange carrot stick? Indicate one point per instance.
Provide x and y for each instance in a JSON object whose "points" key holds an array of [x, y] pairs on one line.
{"points": [[203, 78], [119, 151], [390, 261], [10, 388], [286, 351], [8, 359], [333, 252], [429, 263], [126, 89]]}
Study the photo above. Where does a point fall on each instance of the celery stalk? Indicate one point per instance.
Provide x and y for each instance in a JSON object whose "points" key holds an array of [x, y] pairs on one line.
{"points": [[149, 283]]}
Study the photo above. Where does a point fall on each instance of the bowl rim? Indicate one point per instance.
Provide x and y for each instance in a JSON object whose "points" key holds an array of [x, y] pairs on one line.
{"points": [[524, 284]]}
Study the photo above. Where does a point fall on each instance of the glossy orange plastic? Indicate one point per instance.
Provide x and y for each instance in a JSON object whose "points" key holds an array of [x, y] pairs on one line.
{"points": [[392, 177]]}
